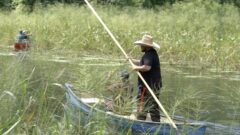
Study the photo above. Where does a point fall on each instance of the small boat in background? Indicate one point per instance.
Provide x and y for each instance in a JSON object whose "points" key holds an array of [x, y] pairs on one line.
{"points": [[88, 108], [21, 46], [22, 43]]}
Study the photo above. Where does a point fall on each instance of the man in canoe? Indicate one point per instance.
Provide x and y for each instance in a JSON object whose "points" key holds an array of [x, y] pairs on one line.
{"points": [[149, 68], [22, 40]]}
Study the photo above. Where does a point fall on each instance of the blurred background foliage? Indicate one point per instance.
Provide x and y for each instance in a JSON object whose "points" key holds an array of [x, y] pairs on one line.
{"points": [[30, 4]]}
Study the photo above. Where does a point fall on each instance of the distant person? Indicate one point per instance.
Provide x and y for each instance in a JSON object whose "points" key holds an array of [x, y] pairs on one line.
{"points": [[22, 40], [23, 36], [20, 37], [149, 68]]}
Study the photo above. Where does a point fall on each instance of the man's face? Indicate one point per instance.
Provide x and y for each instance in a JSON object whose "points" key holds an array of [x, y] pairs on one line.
{"points": [[144, 48]]}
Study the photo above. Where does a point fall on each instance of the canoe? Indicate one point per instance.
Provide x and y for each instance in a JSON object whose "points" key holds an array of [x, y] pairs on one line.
{"points": [[88, 109], [21, 46]]}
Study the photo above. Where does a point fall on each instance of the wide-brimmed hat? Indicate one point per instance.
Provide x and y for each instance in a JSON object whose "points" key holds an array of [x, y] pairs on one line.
{"points": [[147, 40]]}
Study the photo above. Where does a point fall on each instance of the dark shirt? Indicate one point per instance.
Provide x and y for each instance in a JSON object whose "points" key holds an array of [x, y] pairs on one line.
{"points": [[153, 76], [22, 36]]}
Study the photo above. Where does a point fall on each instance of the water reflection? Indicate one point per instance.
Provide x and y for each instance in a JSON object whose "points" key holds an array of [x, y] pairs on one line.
{"points": [[220, 92], [217, 93]]}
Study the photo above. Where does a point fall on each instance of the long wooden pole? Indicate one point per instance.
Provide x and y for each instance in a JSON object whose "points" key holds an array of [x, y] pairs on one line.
{"points": [[130, 61]]}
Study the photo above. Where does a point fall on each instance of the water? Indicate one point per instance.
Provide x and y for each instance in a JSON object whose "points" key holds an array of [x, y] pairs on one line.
{"points": [[218, 91]]}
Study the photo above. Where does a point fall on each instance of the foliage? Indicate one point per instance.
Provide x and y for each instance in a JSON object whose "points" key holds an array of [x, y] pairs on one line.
{"points": [[139, 3], [206, 35], [191, 33], [29, 100]]}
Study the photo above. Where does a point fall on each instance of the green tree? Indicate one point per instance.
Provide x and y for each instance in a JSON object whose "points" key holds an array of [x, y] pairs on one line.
{"points": [[141, 3]]}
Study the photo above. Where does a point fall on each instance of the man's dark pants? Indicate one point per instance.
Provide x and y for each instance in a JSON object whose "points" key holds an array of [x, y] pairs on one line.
{"points": [[147, 102]]}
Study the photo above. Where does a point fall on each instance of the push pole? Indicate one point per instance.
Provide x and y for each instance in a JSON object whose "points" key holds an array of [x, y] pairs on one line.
{"points": [[130, 61]]}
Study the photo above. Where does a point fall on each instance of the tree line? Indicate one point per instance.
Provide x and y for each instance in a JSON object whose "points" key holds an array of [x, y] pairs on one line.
{"points": [[12, 4]]}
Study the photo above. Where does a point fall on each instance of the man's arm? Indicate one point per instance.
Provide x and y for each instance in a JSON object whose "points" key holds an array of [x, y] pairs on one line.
{"points": [[143, 68], [146, 66], [135, 61]]}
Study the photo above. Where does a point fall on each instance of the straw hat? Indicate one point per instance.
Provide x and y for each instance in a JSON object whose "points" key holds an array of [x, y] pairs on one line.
{"points": [[147, 40]]}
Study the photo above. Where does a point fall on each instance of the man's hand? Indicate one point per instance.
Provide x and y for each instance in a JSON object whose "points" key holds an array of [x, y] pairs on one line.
{"points": [[134, 61], [142, 68], [129, 57], [135, 68]]}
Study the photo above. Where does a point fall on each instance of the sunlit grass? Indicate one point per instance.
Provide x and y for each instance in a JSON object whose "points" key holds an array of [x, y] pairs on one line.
{"points": [[184, 101], [207, 36], [189, 33], [27, 86], [29, 101]]}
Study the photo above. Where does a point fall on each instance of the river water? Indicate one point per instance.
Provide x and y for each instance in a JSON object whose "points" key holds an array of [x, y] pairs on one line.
{"points": [[218, 92]]}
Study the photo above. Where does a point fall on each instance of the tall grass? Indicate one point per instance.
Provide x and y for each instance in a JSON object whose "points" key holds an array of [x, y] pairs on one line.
{"points": [[188, 102], [30, 104], [206, 35], [189, 33]]}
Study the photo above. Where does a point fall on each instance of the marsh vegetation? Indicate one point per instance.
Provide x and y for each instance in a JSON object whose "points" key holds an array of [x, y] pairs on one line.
{"points": [[199, 54]]}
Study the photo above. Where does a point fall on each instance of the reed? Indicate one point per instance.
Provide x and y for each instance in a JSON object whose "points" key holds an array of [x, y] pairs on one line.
{"points": [[189, 102], [189, 33], [31, 104]]}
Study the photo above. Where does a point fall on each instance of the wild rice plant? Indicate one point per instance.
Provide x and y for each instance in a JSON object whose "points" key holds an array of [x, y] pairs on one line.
{"points": [[184, 102], [189, 33], [30, 104]]}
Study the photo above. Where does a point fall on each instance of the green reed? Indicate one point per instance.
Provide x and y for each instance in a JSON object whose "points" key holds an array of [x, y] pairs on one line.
{"points": [[189, 33], [188, 102], [31, 104], [28, 96]]}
